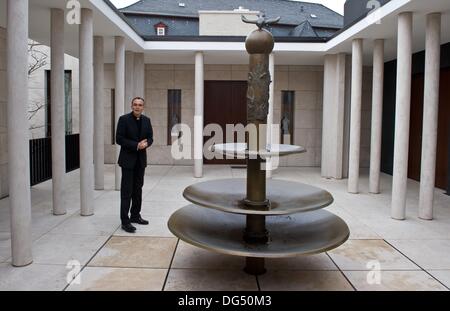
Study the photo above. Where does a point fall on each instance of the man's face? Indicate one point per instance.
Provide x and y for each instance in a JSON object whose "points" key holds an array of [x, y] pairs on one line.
{"points": [[137, 106]]}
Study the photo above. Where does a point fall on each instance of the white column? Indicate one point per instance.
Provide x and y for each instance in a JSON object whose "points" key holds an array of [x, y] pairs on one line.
{"points": [[355, 116], [333, 116], [402, 115], [129, 80], [119, 96], [99, 124], [377, 116], [58, 128], [139, 75], [86, 112], [430, 115], [198, 115], [270, 114], [18, 137]]}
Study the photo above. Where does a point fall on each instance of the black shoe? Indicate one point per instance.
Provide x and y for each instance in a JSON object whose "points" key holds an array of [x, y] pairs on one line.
{"points": [[129, 228], [139, 221]]}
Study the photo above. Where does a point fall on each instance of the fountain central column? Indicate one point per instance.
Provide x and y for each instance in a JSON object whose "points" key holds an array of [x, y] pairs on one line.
{"points": [[259, 45]]}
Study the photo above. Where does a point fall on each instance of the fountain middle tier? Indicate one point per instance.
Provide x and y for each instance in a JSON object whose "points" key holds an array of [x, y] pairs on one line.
{"points": [[285, 197]]}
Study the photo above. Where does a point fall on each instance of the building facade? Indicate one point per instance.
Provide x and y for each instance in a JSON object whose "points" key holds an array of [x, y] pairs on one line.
{"points": [[335, 87]]}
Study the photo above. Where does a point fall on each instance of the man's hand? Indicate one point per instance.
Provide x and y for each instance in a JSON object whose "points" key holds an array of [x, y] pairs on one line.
{"points": [[143, 144]]}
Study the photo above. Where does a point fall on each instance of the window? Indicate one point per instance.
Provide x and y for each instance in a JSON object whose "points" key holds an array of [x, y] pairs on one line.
{"points": [[67, 104], [287, 117], [173, 115], [161, 31]]}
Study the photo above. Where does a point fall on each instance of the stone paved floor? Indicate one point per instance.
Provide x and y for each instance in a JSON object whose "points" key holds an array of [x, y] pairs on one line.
{"points": [[411, 254]]}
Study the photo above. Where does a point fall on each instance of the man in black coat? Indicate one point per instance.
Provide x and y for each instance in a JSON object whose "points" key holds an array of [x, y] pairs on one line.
{"points": [[134, 135]]}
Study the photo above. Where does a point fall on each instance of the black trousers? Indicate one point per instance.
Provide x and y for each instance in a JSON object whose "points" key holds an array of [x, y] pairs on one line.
{"points": [[131, 192]]}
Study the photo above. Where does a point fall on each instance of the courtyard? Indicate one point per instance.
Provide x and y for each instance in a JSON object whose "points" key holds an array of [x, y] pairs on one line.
{"points": [[381, 254]]}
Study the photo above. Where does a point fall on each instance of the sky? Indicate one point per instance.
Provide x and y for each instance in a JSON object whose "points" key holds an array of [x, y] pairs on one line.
{"points": [[336, 5]]}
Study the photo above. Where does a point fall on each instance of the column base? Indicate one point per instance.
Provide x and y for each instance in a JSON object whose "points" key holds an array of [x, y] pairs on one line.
{"points": [[255, 266]]}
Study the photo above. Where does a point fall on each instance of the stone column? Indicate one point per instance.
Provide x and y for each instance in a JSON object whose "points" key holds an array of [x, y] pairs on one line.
{"points": [[377, 116], [402, 115], [270, 115], [99, 124], [58, 124], [139, 75], [333, 116], [198, 117], [18, 136], [430, 115], [355, 116], [129, 80], [119, 96], [86, 112]]}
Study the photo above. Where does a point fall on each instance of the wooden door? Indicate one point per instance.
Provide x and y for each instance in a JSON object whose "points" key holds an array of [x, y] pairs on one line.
{"points": [[415, 145], [225, 103]]}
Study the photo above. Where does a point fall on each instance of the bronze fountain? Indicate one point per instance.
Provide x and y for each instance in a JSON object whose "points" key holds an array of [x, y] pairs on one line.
{"points": [[258, 218]]}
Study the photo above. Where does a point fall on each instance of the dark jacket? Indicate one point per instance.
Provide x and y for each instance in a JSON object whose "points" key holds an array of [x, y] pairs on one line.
{"points": [[127, 136]]}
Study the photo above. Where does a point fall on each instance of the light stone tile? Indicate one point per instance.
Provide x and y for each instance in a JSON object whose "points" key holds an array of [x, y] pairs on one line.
{"points": [[394, 281], [61, 248], [159, 136], [304, 281], [3, 93], [184, 67], [217, 75], [281, 68], [317, 262], [190, 257], [158, 67], [136, 252], [2, 58], [358, 254], [5, 246], [184, 80], [159, 155], [306, 100], [158, 194], [156, 99], [442, 276], [101, 225], [239, 75], [35, 277], [218, 67], [305, 137], [3, 149], [188, 99], [240, 67], [159, 79], [187, 117], [209, 280], [157, 227], [158, 117], [305, 119], [303, 81], [281, 81], [112, 279], [428, 254]]}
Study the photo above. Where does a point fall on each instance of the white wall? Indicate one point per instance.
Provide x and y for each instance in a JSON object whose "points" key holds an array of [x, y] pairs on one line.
{"points": [[225, 23], [306, 81]]}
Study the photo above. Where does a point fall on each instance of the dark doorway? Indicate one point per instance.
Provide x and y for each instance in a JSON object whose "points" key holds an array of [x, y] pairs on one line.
{"points": [[225, 103], [415, 146]]}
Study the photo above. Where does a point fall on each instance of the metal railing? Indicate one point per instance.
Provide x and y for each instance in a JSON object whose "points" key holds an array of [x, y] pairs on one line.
{"points": [[41, 157]]}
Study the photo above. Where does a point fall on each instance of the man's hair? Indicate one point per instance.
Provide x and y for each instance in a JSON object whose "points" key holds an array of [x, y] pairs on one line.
{"points": [[137, 98]]}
